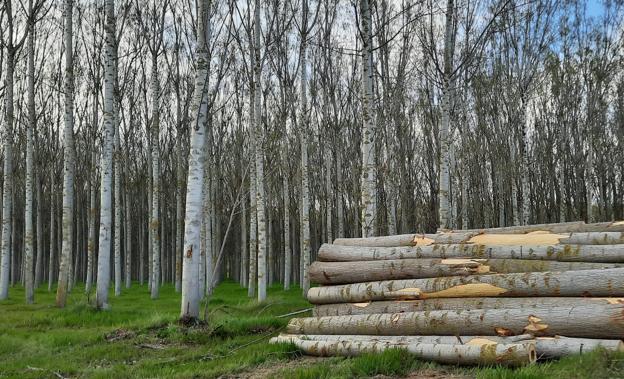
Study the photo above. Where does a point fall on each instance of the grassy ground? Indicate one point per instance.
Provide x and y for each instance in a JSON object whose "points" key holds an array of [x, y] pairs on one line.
{"points": [[141, 338]]}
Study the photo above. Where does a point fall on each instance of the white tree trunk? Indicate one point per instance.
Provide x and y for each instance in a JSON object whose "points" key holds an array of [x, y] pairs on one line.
{"points": [[445, 130], [117, 195], [39, 263], [52, 234], [155, 211], [30, 129], [305, 190], [286, 197], [128, 235], [259, 137], [7, 193], [91, 232], [368, 177], [106, 186], [179, 217], [69, 164], [192, 221]]}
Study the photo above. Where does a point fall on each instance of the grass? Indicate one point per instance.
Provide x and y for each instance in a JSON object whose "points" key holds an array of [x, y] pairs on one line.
{"points": [[141, 338]]}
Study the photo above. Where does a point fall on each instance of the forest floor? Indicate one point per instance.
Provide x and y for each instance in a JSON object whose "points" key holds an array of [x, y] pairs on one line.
{"points": [[141, 338]]}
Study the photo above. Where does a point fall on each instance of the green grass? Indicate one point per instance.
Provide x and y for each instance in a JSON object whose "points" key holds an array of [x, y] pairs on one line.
{"points": [[141, 338]]}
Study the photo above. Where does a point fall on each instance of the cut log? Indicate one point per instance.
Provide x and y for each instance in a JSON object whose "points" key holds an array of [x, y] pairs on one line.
{"points": [[545, 347], [360, 271], [595, 321], [353, 272], [562, 253], [444, 340], [487, 354], [384, 241], [400, 306], [564, 227], [594, 238], [597, 283]]}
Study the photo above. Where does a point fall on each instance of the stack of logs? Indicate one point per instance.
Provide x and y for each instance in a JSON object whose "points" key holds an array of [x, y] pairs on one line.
{"points": [[494, 296]]}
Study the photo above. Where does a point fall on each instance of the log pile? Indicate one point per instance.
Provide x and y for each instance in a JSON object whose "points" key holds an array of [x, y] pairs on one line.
{"points": [[504, 296]]}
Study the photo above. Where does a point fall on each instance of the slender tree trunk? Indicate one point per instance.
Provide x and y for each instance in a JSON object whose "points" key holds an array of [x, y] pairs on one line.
{"points": [[199, 113], [30, 130], [286, 197], [52, 234], [128, 234], [155, 211], [40, 262], [117, 196], [368, 177], [106, 188], [7, 194], [179, 217], [305, 190], [69, 164], [259, 137], [91, 241]]}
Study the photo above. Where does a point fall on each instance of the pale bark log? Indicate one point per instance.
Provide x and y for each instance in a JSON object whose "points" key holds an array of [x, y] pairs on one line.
{"points": [[354, 272], [545, 347], [195, 178], [594, 238], [562, 253], [603, 282], [400, 306], [517, 354], [69, 164], [590, 321], [563, 227], [384, 241]]}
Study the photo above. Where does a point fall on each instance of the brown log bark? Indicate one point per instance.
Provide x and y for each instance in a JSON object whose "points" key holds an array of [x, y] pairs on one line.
{"points": [[360, 271], [596, 283], [595, 321], [517, 354], [401, 306], [562, 253], [545, 347]]}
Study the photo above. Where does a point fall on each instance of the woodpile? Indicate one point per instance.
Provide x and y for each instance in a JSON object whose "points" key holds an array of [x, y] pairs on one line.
{"points": [[504, 296]]}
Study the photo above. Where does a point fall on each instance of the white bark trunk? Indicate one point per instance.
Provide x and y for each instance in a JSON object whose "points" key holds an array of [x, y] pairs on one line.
{"points": [[155, 211], [117, 195], [259, 137], [368, 178], [69, 164], [106, 186], [286, 197], [30, 129], [192, 220]]}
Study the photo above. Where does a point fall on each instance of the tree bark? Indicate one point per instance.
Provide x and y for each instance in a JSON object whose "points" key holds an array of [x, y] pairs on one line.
{"points": [[562, 253], [354, 272], [545, 347], [591, 321], [401, 306], [69, 162], [513, 355], [603, 282], [192, 221], [368, 176]]}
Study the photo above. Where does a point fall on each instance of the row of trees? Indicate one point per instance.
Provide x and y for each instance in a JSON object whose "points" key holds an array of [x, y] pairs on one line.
{"points": [[174, 141]]}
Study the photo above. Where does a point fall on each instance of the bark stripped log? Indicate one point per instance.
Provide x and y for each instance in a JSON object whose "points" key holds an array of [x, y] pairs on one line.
{"points": [[591, 321], [400, 306], [545, 347], [354, 272], [487, 354], [562, 253], [605, 282]]}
